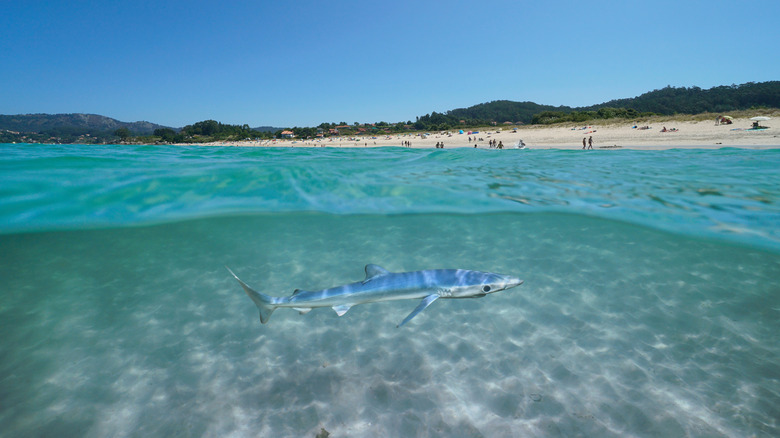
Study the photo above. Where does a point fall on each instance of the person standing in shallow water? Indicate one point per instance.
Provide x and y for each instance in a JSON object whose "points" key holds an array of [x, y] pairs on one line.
{"points": [[590, 142], [583, 142]]}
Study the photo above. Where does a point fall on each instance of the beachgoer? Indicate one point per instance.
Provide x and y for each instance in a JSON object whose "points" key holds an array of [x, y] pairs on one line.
{"points": [[501, 145], [583, 142], [590, 142]]}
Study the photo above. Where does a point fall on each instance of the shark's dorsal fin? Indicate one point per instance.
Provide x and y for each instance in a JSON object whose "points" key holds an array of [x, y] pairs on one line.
{"points": [[342, 309], [373, 271]]}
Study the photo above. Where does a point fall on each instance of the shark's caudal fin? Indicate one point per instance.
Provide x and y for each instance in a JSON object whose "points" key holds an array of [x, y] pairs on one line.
{"points": [[263, 302]]}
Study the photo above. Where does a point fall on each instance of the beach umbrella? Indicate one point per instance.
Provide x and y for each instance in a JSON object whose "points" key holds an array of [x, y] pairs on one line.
{"points": [[760, 119], [726, 117]]}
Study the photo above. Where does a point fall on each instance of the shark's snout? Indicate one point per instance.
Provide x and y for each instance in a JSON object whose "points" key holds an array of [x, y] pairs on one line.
{"points": [[511, 282]]}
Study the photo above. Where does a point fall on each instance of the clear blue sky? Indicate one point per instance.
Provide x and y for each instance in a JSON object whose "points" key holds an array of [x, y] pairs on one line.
{"points": [[300, 63]]}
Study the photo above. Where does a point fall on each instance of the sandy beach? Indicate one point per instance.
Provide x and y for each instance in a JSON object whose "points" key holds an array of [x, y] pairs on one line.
{"points": [[606, 135]]}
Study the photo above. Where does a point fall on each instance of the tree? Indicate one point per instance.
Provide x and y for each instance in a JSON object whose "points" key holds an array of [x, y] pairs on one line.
{"points": [[123, 133], [166, 134]]}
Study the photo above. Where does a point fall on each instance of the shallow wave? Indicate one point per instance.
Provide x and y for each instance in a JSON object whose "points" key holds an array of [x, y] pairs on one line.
{"points": [[727, 193]]}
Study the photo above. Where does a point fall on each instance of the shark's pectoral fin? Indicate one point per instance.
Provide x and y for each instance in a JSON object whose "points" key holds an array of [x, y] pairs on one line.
{"points": [[420, 307], [342, 309], [303, 310]]}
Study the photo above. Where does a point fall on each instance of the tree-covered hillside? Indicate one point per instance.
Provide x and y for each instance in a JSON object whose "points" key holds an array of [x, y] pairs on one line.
{"points": [[666, 101], [694, 100], [503, 111]]}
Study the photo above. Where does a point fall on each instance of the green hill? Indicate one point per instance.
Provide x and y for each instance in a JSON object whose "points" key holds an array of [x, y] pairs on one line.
{"points": [[666, 101], [694, 100], [503, 111]]}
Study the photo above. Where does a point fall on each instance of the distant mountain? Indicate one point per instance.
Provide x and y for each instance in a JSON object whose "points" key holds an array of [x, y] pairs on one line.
{"points": [[92, 124]]}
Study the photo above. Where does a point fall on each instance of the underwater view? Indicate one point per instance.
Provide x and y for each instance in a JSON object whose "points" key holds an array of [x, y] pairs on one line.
{"points": [[650, 304]]}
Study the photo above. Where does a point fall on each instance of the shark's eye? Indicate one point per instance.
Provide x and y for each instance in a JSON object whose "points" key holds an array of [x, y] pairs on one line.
{"points": [[486, 289]]}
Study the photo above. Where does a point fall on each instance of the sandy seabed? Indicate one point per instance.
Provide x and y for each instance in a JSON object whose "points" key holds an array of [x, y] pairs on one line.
{"points": [[619, 331]]}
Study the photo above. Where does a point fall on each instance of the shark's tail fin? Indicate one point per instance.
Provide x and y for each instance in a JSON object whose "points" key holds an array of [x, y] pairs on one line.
{"points": [[263, 302]]}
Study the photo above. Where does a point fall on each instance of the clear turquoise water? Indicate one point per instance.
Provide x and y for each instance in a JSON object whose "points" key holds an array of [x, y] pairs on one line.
{"points": [[651, 303]]}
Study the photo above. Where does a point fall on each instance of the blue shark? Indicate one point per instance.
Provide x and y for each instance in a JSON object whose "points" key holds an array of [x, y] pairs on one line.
{"points": [[383, 285]]}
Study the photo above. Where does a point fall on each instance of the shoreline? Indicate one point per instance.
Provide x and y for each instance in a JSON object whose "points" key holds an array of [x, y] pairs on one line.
{"points": [[609, 135]]}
